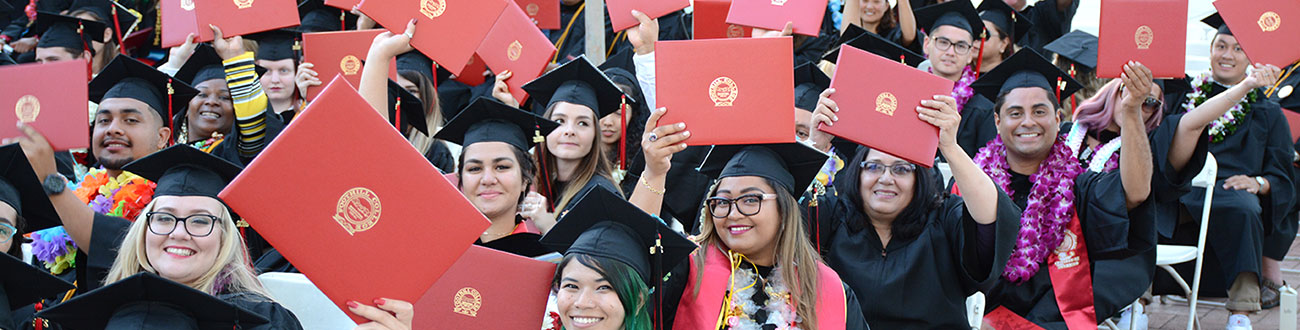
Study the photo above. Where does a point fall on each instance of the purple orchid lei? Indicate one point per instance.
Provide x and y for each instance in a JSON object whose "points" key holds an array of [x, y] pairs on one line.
{"points": [[1050, 207]]}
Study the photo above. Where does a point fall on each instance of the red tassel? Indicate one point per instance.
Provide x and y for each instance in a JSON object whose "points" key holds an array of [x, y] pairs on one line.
{"points": [[545, 177], [622, 140], [1060, 85], [117, 30], [1074, 105], [38, 323], [167, 121], [979, 61], [90, 68], [397, 115]]}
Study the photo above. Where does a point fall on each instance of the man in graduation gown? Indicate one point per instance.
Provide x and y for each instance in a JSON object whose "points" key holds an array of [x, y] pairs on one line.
{"points": [[1072, 264], [1254, 190], [954, 29]]}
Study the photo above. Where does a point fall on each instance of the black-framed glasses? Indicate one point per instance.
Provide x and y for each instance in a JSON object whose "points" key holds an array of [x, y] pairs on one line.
{"points": [[943, 43], [7, 232], [1153, 103], [897, 169], [197, 225], [747, 205]]}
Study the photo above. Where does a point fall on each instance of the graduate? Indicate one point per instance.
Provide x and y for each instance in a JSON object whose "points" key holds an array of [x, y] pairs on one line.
{"points": [[755, 266], [1051, 19], [118, 24], [283, 83], [1086, 243], [1254, 192], [606, 278], [877, 16], [66, 38], [950, 46], [1076, 54], [899, 234], [496, 171], [415, 74], [185, 234], [24, 289], [254, 124], [127, 125], [620, 131], [1004, 26]]}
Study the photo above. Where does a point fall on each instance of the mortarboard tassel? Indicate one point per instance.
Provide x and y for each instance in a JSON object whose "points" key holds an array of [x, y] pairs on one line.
{"points": [[816, 214], [1060, 86], [343, 20], [902, 59], [545, 186], [658, 252], [90, 70], [397, 116], [979, 61], [117, 30], [622, 140], [170, 91], [1074, 104], [39, 323]]}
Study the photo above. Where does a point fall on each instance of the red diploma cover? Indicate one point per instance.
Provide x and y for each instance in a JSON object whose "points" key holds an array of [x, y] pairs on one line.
{"points": [[773, 14], [620, 11], [55, 103], [1129, 33], [178, 21], [710, 21], [242, 17], [1266, 29], [881, 113], [487, 289], [454, 28], [545, 12], [351, 207], [728, 91], [516, 45]]}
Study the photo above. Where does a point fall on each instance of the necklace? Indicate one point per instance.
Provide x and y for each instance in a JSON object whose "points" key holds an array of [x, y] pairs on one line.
{"points": [[1231, 120]]}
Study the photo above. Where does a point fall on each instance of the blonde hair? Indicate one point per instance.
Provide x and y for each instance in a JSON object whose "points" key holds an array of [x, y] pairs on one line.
{"points": [[793, 250], [231, 267], [596, 162]]}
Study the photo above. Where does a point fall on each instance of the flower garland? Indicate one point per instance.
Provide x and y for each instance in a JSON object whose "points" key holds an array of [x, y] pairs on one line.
{"points": [[1231, 120], [123, 196], [962, 91], [1050, 207], [208, 144], [741, 307], [1103, 158]]}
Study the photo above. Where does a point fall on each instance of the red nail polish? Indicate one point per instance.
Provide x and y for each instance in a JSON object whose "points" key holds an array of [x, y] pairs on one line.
{"points": [[380, 302], [353, 304]]}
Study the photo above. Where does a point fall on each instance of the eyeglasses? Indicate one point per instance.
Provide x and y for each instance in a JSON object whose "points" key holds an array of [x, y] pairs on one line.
{"points": [[748, 205], [943, 43], [7, 232], [198, 225], [1153, 104], [878, 168]]}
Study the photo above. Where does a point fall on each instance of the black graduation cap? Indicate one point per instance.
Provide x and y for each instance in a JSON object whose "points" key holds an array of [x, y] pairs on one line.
{"points": [[182, 170], [147, 301], [1077, 46], [578, 82], [104, 9], [959, 14], [204, 65], [67, 31], [809, 82], [416, 61], [1216, 21], [603, 224], [317, 17], [1177, 86], [792, 165], [1005, 18], [5, 7], [6, 60], [488, 120], [411, 108], [1025, 69], [126, 77], [25, 285], [21, 189], [880, 46], [277, 45]]}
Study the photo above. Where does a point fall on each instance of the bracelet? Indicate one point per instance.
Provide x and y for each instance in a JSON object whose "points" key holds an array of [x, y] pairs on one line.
{"points": [[652, 189]]}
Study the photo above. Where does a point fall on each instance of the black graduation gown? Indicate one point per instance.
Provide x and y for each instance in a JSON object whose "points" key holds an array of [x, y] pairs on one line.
{"points": [[596, 181], [812, 49], [106, 239], [1121, 251], [524, 244], [574, 44], [1050, 23], [977, 126], [1239, 220], [920, 282], [675, 285], [684, 187]]}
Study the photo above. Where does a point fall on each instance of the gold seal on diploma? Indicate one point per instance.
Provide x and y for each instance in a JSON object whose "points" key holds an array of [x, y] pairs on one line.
{"points": [[723, 92], [735, 31], [433, 8], [1269, 21], [514, 51], [886, 103], [350, 65], [532, 9], [187, 5], [244, 4], [1144, 36], [778, 2], [27, 108], [358, 210], [467, 302]]}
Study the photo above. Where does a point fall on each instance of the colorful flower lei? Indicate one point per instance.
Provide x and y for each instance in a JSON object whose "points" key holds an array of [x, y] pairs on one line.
{"points": [[1050, 207], [962, 91], [1102, 158], [123, 196], [1231, 120]]}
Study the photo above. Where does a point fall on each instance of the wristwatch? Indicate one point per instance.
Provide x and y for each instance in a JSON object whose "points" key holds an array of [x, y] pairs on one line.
{"points": [[54, 184], [1261, 181]]}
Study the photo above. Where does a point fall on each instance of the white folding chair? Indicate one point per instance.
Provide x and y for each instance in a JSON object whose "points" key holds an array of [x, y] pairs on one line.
{"points": [[1169, 255], [975, 310], [313, 309]]}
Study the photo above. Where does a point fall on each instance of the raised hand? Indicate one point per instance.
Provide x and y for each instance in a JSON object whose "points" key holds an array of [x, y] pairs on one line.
{"points": [[643, 36], [824, 114], [226, 48], [942, 113], [659, 143]]}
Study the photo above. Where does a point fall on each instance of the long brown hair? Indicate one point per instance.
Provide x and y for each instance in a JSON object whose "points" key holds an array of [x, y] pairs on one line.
{"points": [[110, 45], [432, 111], [596, 162], [794, 252]]}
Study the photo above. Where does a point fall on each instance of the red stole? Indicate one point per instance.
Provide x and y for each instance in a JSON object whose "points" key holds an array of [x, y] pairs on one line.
{"points": [[703, 311]]}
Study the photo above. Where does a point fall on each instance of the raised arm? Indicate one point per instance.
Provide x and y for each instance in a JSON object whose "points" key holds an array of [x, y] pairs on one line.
{"points": [[1196, 120], [852, 14], [374, 76], [250, 102], [978, 190], [906, 23], [658, 144], [1135, 156]]}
